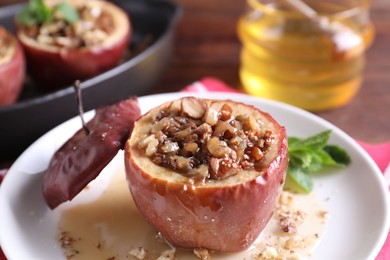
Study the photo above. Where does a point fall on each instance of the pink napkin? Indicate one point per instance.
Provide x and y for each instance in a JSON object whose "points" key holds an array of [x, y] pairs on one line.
{"points": [[380, 153]]}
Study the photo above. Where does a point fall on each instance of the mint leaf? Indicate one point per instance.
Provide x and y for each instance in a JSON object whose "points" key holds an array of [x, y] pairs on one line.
{"points": [[292, 140], [338, 154], [311, 155], [68, 12], [313, 142], [316, 163], [36, 12], [298, 180], [25, 17], [301, 158], [323, 158]]}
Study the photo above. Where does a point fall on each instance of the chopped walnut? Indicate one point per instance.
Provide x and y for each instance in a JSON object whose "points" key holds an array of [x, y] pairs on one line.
{"points": [[202, 254], [5, 44], [191, 132], [269, 253], [167, 254], [289, 219], [293, 241], [287, 223], [286, 199], [277, 251], [193, 107], [139, 253]]}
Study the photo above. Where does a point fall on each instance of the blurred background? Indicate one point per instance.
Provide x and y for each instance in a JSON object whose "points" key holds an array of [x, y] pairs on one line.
{"points": [[206, 44]]}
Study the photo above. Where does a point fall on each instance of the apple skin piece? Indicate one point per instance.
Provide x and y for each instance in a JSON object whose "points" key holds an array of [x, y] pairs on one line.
{"points": [[83, 157], [12, 71], [53, 67], [224, 215]]}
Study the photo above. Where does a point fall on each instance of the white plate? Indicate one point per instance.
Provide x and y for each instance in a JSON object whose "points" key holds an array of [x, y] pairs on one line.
{"points": [[359, 198]]}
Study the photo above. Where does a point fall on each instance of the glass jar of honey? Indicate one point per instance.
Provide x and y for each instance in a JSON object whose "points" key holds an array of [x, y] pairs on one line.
{"points": [[311, 58]]}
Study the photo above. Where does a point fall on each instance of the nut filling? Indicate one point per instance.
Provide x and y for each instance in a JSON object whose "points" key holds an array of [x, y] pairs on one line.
{"points": [[93, 27], [5, 45], [190, 133]]}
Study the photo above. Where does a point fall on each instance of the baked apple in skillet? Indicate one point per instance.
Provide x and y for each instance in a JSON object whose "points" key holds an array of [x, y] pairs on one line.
{"points": [[207, 173], [71, 40], [12, 68]]}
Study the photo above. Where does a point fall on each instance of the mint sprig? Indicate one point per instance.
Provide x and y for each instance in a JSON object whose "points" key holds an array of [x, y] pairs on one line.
{"points": [[68, 12], [36, 12], [311, 155]]}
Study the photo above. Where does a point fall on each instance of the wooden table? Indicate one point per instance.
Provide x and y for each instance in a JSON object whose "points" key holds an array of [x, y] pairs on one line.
{"points": [[206, 44]]}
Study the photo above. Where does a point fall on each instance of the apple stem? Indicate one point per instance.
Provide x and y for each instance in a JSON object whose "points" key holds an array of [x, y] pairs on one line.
{"points": [[79, 100]]}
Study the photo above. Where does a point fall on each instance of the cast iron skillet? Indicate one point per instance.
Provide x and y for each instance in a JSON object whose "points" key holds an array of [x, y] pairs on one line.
{"points": [[35, 113]]}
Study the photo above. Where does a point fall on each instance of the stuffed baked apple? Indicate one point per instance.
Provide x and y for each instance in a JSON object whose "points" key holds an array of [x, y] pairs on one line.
{"points": [[207, 173], [71, 40], [12, 68]]}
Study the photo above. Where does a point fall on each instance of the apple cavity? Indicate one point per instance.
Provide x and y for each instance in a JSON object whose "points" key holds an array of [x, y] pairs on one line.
{"points": [[207, 173]]}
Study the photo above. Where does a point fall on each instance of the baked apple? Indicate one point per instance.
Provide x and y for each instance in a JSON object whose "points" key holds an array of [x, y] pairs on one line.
{"points": [[92, 39], [207, 173], [12, 68]]}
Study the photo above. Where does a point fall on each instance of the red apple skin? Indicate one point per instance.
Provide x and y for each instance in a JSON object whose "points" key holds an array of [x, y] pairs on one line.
{"points": [[12, 75], [224, 219], [82, 157], [53, 69]]}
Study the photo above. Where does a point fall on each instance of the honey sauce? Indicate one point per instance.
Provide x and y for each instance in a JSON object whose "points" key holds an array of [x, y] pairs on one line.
{"points": [[110, 227]]}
